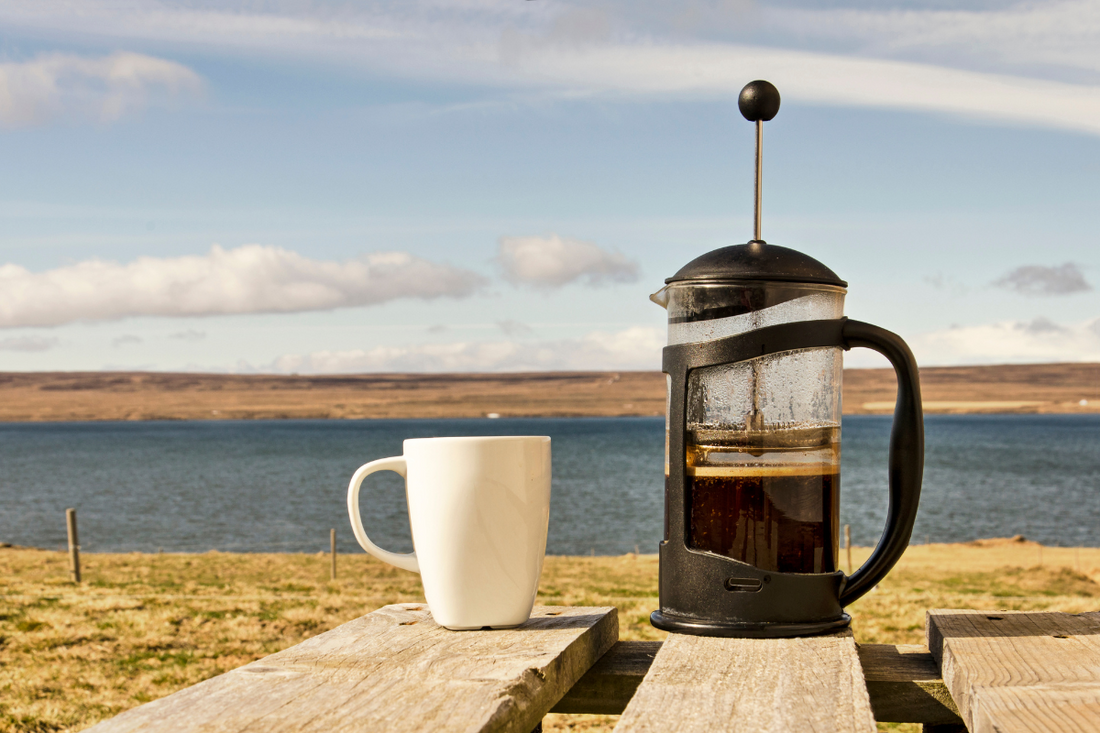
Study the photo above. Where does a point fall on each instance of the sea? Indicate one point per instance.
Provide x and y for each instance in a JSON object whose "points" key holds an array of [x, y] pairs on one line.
{"points": [[280, 486]]}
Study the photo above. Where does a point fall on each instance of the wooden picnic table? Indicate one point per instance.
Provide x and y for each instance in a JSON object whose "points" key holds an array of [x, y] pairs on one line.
{"points": [[396, 670]]}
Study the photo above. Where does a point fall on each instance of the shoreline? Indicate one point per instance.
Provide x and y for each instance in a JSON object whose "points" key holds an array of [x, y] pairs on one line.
{"points": [[1016, 541], [138, 396]]}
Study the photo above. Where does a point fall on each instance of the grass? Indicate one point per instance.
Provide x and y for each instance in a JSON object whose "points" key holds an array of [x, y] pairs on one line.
{"points": [[143, 626]]}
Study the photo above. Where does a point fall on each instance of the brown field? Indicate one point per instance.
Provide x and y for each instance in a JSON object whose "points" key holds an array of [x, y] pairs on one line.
{"points": [[166, 396], [142, 626], [1002, 388]]}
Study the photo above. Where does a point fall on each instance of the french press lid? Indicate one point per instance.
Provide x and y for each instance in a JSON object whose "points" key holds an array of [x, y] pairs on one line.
{"points": [[757, 260]]}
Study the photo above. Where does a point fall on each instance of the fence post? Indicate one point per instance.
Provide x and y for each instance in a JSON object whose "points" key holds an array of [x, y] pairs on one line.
{"points": [[74, 545], [848, 545], [332, 547]]}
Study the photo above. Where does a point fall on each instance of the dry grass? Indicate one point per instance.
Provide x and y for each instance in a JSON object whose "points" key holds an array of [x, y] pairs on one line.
{"points": [[143, 626]]}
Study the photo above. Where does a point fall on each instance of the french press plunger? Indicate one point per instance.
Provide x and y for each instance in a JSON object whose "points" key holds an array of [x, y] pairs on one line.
{"points": [[752, 461]]}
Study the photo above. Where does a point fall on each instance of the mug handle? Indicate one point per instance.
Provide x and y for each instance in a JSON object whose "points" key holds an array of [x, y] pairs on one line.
{"points": [[397, 465], [906, 457]]}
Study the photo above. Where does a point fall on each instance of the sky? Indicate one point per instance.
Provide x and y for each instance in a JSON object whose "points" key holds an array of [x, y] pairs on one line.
{"points": [[476, 185]]}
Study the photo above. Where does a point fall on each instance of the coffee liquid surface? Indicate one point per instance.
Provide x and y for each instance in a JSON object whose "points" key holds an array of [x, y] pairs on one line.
{"points": [[776, 515]]}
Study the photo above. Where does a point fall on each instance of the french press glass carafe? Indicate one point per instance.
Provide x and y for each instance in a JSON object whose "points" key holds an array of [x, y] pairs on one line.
{"points": [[756, 335]]}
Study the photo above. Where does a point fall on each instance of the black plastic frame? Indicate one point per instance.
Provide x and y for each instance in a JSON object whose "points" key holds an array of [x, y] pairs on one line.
{"points": [[712, 595]]}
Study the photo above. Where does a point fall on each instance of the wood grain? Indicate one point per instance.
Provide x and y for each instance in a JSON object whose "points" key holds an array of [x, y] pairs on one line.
{"points": [[1012, 671], [609, 685], [38, 396], [708, 684], [394, 670], [904, 684]]}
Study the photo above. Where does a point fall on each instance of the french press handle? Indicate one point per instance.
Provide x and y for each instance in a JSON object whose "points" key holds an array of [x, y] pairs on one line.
{"points": [[906, 457]]}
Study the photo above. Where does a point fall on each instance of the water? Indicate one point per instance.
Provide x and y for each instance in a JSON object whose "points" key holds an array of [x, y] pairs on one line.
{"points": [[278, 486], [984, 476]]}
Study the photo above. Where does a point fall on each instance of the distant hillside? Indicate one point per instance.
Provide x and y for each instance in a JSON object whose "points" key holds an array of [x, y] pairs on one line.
{"points": [[1002, 388], [57, 396]]}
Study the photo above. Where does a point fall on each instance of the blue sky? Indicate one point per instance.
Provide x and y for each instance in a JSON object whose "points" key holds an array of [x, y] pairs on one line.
{"points": [[498, 186]]}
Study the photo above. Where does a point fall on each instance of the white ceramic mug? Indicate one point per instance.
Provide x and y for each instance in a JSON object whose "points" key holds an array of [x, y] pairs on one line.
{"points": [[479, 510]]}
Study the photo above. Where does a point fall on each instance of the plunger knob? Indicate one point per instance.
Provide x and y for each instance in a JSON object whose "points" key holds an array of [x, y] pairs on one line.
{"points": [[759, 101]]}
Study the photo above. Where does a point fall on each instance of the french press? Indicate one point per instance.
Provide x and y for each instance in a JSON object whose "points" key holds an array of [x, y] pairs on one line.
{"points": [[752, 450]]}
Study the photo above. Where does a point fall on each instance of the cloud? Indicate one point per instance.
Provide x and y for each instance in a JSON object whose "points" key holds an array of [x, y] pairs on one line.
{"points": [[514, 328], [249, 279], [1064, 34], [912, 59], [1040, 280], [102, 89], [1042, 325], [946, 283], [1039, 340], [580, 26], [718, 71], [243, 26], [553, 261], [126, 340], [632, 348], [27, 343], [190, 335]]}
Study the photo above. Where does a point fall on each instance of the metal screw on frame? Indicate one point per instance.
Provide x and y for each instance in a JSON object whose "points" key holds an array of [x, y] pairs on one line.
{"points": [[758, 102]]}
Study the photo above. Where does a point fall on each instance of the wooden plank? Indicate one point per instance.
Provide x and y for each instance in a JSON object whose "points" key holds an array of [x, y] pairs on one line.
{"points": [[709, 684], [904, 684], [608, 686], [1012, 671], [395, 670]]}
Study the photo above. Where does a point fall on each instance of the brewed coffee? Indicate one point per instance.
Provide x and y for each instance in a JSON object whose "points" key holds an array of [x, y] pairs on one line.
{"points": [[776, 507], [782, 520]]}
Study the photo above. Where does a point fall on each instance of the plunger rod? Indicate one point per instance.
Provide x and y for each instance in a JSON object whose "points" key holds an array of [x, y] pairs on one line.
{"points": [[758, 102], [756, 419], [759, 179]]}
